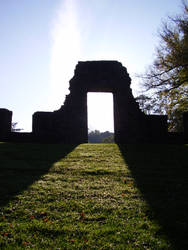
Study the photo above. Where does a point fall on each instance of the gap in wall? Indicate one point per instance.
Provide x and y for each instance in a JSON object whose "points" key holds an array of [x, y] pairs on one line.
{"points": [[100, 111]]}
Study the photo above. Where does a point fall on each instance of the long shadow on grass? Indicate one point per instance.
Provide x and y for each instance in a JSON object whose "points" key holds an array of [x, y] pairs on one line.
{"points": [[161, 174], [23, 164]]}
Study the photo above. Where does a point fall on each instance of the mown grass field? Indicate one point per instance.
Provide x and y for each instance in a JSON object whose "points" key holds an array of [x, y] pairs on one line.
{"points": [[93, 196]]}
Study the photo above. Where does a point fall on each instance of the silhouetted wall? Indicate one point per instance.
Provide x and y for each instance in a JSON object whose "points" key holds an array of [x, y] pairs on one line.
{"points": [[5, 123], [185, 124], [69, 123], [157, 128]]}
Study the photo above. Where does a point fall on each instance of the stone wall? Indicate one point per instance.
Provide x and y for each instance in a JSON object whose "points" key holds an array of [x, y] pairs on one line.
{"points": [[69, 123], [156, 128], [185, 125], [5, 123]]}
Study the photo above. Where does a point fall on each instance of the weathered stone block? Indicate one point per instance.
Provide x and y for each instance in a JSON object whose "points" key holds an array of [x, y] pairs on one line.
{"points": [[185, 125], [5, 123], [156, 128], [42, 123]]}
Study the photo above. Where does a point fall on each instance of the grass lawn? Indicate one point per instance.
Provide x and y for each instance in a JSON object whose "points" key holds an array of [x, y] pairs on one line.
{"points": [[93, 196]]}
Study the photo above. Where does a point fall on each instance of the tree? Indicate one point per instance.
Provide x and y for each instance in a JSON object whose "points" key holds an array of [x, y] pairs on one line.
{"points": [[94, 136], [109, 139], [98, 137], [166, 80], [13, 127], [149, 104]]}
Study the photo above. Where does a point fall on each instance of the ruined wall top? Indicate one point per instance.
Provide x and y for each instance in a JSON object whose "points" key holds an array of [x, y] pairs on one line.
{"points": [[100, 76]]}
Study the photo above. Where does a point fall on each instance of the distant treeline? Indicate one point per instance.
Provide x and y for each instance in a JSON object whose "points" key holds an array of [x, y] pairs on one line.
{"points": [[100, 137]]}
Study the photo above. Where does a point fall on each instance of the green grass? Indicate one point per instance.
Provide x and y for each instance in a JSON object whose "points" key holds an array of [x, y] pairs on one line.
{"points": [[93, 196]]}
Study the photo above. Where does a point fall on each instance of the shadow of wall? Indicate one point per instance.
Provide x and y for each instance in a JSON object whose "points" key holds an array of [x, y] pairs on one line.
{"points": [[161, 174], [23, 164]]}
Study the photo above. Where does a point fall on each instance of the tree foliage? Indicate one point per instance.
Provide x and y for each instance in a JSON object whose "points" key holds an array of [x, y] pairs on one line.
{"points": [[100, 137], [166, 81], [13, 127], [109, 139]]}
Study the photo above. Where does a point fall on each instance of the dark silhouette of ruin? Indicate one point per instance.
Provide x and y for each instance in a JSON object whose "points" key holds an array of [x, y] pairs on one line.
{"points": [[69, 123]]}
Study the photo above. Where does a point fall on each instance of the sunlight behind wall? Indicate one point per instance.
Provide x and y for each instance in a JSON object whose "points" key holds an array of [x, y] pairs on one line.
{"points": [[100, 112]]}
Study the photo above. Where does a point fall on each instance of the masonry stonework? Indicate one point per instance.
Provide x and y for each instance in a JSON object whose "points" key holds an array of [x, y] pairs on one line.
{"points": [[69, 124], [5, 123]]}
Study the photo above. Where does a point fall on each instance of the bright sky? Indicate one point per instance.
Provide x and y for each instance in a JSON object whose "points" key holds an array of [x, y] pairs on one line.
{"points": [[42, 41]]}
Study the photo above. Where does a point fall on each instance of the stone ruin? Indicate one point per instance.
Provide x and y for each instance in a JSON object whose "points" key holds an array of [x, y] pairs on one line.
{"points": [[69, 124]]}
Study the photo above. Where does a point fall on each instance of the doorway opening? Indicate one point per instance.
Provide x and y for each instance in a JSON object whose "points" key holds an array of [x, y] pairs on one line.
{"points": [[100, 116]]}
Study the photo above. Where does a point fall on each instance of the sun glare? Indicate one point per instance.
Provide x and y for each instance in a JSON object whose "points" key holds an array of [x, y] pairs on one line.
{"points": [[65, 49]]}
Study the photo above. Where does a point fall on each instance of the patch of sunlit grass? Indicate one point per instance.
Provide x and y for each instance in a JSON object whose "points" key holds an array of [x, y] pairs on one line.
{"points": [[86, 199]]}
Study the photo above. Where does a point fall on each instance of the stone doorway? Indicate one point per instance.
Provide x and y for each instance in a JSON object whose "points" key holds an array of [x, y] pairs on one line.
{"points": [[69, 124], [70, 121]]}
